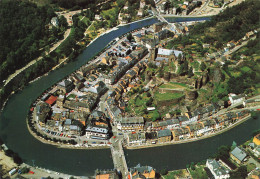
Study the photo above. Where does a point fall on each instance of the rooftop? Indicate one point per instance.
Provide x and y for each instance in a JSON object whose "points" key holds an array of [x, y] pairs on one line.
{"points": [[239, 154]]}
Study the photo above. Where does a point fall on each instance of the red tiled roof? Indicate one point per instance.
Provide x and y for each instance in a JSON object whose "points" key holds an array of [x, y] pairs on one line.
{"points": [[51, 100]]}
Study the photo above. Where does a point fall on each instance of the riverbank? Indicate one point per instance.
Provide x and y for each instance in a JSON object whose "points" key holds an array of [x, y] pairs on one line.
{"points": [[62, 145], [190, 140], [42, 172]]}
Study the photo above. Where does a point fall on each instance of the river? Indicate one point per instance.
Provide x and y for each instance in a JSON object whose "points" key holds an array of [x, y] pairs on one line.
{"points": [[13, 129]]}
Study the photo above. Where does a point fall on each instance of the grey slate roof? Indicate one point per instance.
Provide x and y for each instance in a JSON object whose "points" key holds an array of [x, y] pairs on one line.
{"points": [[164, 133], [239, 154]]}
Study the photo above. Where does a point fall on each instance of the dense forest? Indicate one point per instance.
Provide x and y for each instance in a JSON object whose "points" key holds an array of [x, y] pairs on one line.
{"points": [[231, 24], [93, 4], [77, 4], [23, 31]]}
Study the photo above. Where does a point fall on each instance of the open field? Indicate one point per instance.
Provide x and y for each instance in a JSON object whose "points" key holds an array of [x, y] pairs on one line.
{"points": [[173, 85], [167, 96]]}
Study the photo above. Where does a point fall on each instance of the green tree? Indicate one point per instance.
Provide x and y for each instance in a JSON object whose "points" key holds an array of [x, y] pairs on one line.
{"points": [[240, 173], [129, 37], [190, 72], [63, 22], [223, 151], [203, 66], [164, 172]]}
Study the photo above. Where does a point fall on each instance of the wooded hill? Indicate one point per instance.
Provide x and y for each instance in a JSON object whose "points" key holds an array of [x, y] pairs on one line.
{"points": [[23, 31]]}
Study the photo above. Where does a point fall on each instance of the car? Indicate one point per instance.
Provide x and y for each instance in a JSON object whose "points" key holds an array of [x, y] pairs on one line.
{"points": [[114, 137]]}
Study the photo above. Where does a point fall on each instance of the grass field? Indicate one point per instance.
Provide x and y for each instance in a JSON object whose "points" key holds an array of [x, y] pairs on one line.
{"points": [[173, 85], [167, 96], [84, 19]]}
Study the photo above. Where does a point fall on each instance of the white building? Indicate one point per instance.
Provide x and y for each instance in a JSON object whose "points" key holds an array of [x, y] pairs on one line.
{"points": [[55, 22], [219, 171], [95, 132], [235, 99]]}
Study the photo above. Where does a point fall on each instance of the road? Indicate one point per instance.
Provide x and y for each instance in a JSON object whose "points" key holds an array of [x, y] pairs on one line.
{"points": [[238, 46], [201, 8], [118, 155]]}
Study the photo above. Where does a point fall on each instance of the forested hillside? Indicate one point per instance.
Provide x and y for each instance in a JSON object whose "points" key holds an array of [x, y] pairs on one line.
{"points": [[232, 24], [77, 4], [23, 31]]}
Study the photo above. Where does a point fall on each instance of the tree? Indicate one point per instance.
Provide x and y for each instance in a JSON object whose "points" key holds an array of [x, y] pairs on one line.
{"points": [[120, 3], [129, 37], [1, 142], [223, 151], [164, 172], [190, 72], [149, 102], [17, 159], [203, 66], [240, 173], [185, 66], [63, 21]]}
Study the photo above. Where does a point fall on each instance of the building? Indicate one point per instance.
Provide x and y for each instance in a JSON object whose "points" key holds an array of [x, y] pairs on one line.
{"points": [[97, 132], [77, 105], [110, 174], [257, 151], [66, 86], [167, 53], [158, 26], [164, 135], [176, 133], [217, 170], [98, 17], [55, 22], [130, 123], [51, 100], [235, 99], [151, 137], [97, 115], [238, 155], [42, 112], [145, 172], [184, 120], [256, 139], [136, 138]]}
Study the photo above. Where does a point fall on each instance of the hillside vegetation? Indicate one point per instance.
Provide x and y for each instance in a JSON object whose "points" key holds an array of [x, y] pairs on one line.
{"points": [[23, 31], [231, 24]]}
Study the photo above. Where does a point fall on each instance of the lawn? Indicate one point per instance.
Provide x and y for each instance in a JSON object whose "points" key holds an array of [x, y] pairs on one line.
{"points": [[176, 174], [84, 19], [245, 69], [167, 96], [173, 85], [199, 172], [137, 104], [113, 12], [195, 65], [72, 31], [71, 96]]}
